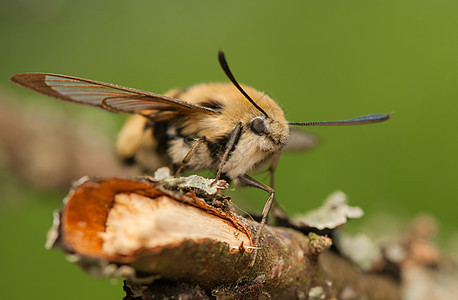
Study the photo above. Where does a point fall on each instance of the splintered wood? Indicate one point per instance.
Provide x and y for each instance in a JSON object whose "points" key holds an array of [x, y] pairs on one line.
{"points": [[137, 222], [126, 220]]}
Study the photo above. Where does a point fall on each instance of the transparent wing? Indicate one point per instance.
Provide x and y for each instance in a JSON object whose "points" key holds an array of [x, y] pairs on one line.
{"points": [[107, 96], [300, 140]]}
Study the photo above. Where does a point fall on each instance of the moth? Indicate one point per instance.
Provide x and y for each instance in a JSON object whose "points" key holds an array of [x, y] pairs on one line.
{"points": [[230, 128]]}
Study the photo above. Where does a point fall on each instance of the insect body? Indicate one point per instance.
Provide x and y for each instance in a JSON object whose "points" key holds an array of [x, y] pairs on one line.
{"points": [[224, 127], [174, 138]]}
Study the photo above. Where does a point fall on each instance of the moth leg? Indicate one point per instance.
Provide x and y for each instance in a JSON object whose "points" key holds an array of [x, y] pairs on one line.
{"points": [[190, 153], [247, 180], [273, 167], [277, 210], [229, 147]]}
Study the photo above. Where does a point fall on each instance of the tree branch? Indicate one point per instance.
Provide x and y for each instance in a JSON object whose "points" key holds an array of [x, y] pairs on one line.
{"points": [[147, 228]]}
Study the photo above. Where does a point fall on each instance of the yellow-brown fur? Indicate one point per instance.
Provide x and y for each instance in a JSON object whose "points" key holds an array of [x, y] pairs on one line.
{"points": [[251, 149]]}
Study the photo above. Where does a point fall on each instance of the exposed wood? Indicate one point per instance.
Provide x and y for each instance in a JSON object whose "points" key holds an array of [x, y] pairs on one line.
{"points": [[145, 232]]}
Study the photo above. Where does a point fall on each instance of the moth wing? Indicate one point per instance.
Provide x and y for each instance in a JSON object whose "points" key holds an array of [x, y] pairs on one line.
{"points": [[108, 96], [300, 140]]}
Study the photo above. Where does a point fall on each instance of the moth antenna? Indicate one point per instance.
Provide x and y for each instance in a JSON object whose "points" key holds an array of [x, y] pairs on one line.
{"points": [[225, 67], [355, 121]]}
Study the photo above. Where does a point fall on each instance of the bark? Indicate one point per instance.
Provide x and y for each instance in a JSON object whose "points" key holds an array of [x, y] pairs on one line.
{"points": [[168, 241]]}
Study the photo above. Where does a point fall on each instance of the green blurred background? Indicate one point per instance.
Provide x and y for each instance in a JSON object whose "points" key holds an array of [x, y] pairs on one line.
{"points": [[319, 59]]}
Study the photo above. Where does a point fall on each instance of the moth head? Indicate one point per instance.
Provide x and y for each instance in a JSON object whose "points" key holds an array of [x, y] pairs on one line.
{"points": [[276, 131], [273, 129], [269, 131]]}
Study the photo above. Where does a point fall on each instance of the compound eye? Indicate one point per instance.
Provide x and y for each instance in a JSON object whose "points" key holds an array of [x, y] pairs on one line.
{"points": [[258, 125]]}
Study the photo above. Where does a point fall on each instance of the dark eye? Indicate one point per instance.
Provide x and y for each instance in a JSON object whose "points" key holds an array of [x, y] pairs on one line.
{"points": [[258, 125]]}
